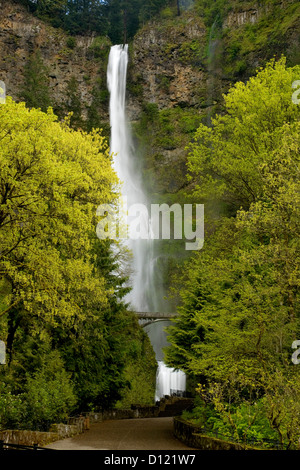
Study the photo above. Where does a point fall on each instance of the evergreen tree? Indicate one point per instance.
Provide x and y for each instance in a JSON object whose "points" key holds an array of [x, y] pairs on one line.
{"points": [[119, 19], [73, 103], [35, 89]]}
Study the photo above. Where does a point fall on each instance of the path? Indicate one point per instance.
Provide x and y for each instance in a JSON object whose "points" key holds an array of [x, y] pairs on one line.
{"points": [[125, 434]]}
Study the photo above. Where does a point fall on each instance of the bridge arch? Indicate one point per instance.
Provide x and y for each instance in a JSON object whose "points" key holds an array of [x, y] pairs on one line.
{"points": [[155, 316], [146, 318], [150, 321]]}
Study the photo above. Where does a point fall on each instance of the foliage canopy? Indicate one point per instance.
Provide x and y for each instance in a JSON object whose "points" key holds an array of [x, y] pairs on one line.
{"points": [[62, 314], [240, 295], [119, 19]]}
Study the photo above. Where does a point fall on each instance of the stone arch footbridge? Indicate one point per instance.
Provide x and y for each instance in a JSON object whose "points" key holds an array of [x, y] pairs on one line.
{"points": [[145, 318]]}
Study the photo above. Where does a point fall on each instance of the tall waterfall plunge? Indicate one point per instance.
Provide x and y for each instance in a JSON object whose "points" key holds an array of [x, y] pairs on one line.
{"points": [[144, 296]]}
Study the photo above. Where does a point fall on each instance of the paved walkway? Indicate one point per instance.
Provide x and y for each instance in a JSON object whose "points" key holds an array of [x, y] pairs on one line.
{"points": [[125, 434]]}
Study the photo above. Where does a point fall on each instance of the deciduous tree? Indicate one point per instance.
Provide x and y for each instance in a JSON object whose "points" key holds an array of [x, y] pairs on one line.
{"points": [[240, 294]]}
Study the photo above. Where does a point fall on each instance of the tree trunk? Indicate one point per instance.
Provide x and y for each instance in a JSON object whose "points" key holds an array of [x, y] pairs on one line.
{"points": [[13, 323]]}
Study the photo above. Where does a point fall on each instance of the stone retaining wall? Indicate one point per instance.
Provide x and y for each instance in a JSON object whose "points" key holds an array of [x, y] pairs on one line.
{"points": [[28, 438], [191, 435], [75, 425]]}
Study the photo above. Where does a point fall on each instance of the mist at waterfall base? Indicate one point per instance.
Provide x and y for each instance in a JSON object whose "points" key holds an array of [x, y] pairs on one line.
{"points": [[146, 295]]}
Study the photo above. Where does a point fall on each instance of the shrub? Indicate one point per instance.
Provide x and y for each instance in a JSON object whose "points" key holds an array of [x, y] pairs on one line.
{"points": [[11, 409], [49, 394], [71, 42]]}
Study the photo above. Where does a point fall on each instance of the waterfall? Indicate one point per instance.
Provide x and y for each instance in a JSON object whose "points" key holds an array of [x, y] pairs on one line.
{"points": [[121, 146], [143, 296]]}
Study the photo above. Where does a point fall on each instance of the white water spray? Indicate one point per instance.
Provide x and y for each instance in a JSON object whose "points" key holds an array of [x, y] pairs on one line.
{"points": [[124, 164], [143, 296]]}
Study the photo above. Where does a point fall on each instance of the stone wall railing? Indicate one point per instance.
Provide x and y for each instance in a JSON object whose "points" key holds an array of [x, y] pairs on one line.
{"points": [[27, 438], [191, 435], [74, 425]]}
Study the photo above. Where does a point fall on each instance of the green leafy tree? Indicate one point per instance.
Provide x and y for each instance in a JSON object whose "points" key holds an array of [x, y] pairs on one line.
{"points": [[12, 409], [86, 15], [51, 184], [61, 288], [240, 295], [49, 394], [224, 159]]}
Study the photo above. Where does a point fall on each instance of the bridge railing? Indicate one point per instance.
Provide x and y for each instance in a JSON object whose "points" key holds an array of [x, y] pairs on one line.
{"points": [[156, 315]]}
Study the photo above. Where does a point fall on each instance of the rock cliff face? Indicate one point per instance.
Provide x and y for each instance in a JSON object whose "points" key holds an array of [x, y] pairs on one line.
{"points": [[168, 75], [21, 34], [251, 12], [164, 62], [174, 61], [236, 19]]}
